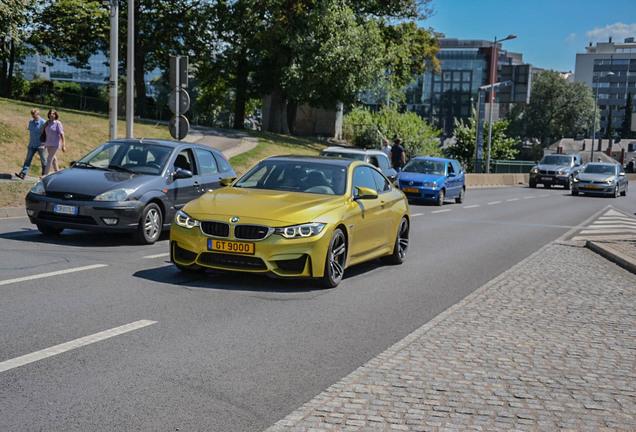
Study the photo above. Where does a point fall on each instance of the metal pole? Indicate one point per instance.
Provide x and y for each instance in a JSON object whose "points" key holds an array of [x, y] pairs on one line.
{"points": [[492, 96], [114, 62], [594, 127], [130, 65]]}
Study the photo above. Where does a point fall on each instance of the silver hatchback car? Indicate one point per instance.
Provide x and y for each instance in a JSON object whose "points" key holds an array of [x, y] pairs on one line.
{"points": [[601, 178]]}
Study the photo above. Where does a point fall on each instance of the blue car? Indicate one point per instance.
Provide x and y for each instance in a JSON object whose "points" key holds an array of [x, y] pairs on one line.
{"points": [[432, 179]]}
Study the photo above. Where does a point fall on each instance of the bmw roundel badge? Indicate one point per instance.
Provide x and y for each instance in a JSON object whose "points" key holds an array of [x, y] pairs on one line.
{"points": [[235, 219]]}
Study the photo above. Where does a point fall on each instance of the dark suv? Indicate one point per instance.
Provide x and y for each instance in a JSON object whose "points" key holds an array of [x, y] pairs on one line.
{"points": [[555, 169]]}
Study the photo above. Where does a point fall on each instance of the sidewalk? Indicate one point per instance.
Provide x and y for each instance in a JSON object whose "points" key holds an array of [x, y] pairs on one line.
{"points": [[548, 345]]}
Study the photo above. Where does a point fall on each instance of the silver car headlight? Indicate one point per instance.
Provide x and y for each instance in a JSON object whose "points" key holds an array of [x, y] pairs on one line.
{"points": [[575, 179], [430, 184], [185, 220], [115, 195], [38, 188], [302, 230]]}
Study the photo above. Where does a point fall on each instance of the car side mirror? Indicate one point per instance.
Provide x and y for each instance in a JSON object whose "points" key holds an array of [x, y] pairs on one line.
{"points": [[227, 181], [182, 173], [452, 174], [365, 193]]}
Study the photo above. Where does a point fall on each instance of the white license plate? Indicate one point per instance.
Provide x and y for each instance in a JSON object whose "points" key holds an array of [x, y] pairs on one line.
{"points": [[64, 209], [546, 178]]}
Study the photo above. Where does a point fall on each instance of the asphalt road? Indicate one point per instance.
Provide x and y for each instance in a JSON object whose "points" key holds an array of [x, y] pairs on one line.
{"points": [[139, 346]]}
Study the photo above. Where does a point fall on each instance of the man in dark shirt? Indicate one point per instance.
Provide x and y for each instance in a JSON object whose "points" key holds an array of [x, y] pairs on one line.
{"points": [[397, 155]]}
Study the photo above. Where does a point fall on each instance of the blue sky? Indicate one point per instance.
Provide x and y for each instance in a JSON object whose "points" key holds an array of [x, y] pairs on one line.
{"points": [[549, 33]]}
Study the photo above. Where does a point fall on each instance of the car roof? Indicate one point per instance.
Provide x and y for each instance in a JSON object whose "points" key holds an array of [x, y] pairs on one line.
{"points": [[163, 142], [338, 149], [603, 163], [438, 159], [315, 159]]}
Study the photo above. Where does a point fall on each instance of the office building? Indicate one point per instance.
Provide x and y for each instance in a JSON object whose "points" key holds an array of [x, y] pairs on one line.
{"points": [[452, 93], [609, 68]]}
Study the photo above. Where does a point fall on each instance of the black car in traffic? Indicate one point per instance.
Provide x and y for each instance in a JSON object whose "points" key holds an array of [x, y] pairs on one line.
{"points": [[126, 185]]}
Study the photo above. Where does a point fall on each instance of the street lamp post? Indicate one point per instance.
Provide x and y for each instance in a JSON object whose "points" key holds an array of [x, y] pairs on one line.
{"points": [[598, 79], [494, 63]]}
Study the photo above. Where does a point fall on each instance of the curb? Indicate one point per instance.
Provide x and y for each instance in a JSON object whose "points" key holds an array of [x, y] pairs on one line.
{"points": [[612, 254], [12, 212]]}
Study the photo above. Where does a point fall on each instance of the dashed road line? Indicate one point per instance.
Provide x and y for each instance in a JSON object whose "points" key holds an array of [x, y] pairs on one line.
{"points": [[471, 206], [161, 255], [74, 344], [55, 273], [513, 199], [494, 202], [441, 211]]}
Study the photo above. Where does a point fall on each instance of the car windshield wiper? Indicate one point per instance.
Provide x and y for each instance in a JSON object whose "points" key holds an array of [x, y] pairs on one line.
{"points": [[88, 165], [121, 168]]}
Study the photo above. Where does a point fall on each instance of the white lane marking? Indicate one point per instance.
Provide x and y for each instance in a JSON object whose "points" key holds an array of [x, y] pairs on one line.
{"points": [[68, 346], [471, 206], [441, 211], [494, 202], [529, 197], [55, 273], [157, 256], [417, 214], [513, 199]]}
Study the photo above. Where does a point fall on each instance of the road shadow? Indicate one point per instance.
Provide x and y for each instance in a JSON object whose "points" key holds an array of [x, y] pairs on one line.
{"points": [[253, 282], [75, 238]]}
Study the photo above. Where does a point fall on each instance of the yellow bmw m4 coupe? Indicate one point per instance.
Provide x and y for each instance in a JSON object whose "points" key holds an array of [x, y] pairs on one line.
{"points": [[297, 217]]}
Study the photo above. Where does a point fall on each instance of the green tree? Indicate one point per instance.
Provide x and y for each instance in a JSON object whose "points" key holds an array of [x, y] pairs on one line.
{"points": [[557, 109], [502, 147], [420, 139], [15, 19], [626, 127]]}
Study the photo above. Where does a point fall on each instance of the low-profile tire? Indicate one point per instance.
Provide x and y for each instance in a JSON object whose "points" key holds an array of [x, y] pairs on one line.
{"points": [[568, 185], [49, 230], [624, 193], [150, 225], [440, 198], [532, 185], [335, 260], [401, 245], [460, 198], [616, 192]]}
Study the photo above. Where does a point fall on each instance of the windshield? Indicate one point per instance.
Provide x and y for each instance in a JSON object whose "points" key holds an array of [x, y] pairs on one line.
{"points": [[136, 158], [425, 167], [296, 176], [556, 160], [600, 169]]}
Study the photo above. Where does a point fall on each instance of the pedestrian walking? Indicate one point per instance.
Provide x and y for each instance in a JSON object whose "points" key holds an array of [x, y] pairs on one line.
{"points": [[386, 148], [54, 141], [35, 146], [397, 155], [630, 166]]}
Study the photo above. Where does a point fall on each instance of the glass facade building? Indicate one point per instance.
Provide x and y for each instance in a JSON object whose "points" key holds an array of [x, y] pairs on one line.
{"points": [[441, 97]]}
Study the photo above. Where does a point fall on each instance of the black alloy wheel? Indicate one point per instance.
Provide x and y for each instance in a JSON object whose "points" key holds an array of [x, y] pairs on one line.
{"points": [[401, 244], [335, 260]]}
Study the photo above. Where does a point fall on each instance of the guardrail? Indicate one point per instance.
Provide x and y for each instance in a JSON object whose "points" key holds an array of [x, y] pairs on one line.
{"points": [[500, 180]]}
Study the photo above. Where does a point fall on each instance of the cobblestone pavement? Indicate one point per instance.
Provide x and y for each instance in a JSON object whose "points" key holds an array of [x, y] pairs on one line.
{"points": [[548, 345]]}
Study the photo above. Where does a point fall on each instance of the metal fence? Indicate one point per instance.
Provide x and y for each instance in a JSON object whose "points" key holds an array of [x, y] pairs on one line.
{"points": [[511, 166]]}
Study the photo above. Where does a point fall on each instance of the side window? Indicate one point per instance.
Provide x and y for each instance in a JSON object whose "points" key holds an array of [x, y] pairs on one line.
{"points": [[362, 177], [384, 162], [451, 169], [207, 163], [457, 167], [223, 164], [373, 160], [381, 183], [185, 161]]}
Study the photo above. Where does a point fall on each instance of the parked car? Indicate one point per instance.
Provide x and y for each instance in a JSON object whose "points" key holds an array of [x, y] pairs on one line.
{"points": [[126, 185], [433, 179], [376, 158], [555, 169], [295, 216], [601, 178]]}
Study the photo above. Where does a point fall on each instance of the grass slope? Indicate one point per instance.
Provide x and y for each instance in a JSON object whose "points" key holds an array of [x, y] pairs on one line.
{"points": [[85, 131]]}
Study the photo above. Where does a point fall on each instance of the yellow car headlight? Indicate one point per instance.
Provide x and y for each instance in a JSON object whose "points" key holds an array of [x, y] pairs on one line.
{"points": [[303, 230], [185, 220], [535, 171]]}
